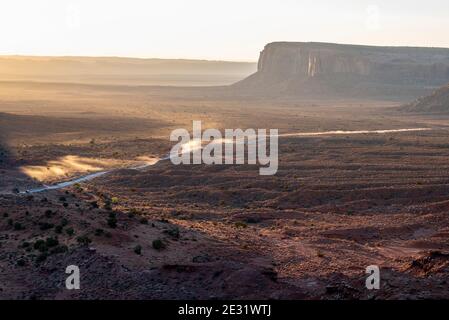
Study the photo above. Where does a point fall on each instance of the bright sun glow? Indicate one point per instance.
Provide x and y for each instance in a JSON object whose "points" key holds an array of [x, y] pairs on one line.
{"points": [[231, 30]]}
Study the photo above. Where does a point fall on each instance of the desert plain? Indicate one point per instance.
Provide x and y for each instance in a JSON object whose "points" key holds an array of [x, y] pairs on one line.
{"points": [[338, 203]]}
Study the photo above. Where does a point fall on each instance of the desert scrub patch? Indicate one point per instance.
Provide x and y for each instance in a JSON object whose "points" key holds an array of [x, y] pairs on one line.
{"points": [[158, 244], [70, 231], [49, 213], [134, 211], [107, 206], [18, 226], [112, 220], [78, 187], [40, 245], [58, 229], [64, 222], [25, 245], [252, 220], [173, 232], [94, 205], [51, 242], [45, 225], [138, 250], [240, 225], [84, 240], [59, 249], [143, 220], [115, 200], [42, 257], [21, 262]]}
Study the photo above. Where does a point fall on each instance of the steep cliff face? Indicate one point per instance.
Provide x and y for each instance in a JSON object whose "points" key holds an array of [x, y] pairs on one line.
{"points": [[309, 61], [322, 68]]}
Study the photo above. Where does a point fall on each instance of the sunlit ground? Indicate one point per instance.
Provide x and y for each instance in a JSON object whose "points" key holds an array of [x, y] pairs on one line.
{"points": [[67, 166]]}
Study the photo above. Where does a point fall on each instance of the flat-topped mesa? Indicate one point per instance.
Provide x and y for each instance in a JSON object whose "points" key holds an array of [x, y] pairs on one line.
{"points": [[286, 65], [313, 59]]}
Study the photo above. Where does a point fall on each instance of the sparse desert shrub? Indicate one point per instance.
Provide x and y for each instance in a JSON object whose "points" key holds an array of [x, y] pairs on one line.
{"points": [[84, 240], [58, 229], [42, 257], [59, 249], [21, 262], [138, 249], [240, 224], [64, 222], [26, 244], [99, 232], [107, 206], [40, 245], [114, 200], [252, 220], [48, 213], [52, 242], [94, 205], [174, 233], [112, 222], [70, 231], [18, 226], [144, 221], [158, 244], [45, 226]]}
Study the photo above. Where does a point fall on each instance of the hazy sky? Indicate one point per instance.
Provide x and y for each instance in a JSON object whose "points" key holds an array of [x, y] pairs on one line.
{"points": [[212, 29]]}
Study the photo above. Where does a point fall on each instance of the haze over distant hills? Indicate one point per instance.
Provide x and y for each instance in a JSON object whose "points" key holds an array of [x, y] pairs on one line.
{"points": [[123, 71], [334, 70]]}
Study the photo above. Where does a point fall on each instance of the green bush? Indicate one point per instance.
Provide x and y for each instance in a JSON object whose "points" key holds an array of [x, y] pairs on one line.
{"points": [[40, 245], [174, 233], [64, 222], [241, 225], [46, 226], [21, 262], [58, 229], [70, 231], [42, 257], [158, 244], [59, 249], [138, 249], [112, 222], [84, 240], [52, 242], [18, 226]]}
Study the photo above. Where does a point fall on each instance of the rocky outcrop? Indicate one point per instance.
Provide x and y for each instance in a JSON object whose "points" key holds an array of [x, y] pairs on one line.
{"points": [[437, 102], [329, 69]]}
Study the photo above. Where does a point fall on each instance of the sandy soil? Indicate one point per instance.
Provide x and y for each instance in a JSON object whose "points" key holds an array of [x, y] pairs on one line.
{"points": [[338, 203]]}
